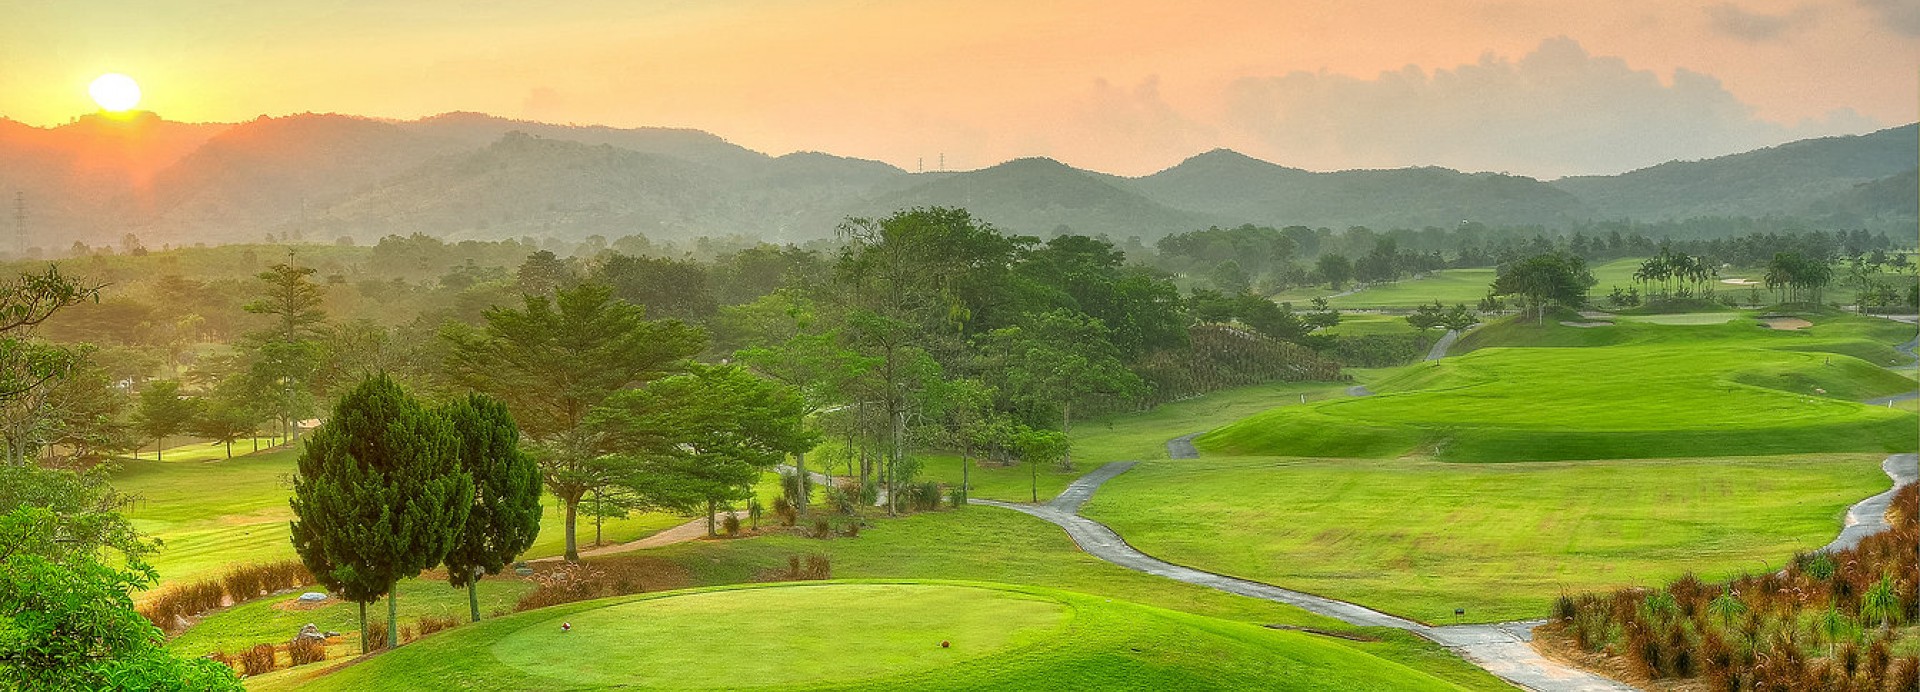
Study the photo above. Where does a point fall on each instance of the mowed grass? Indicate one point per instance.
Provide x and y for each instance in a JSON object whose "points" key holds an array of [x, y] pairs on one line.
{"points": [[974, 543], [1449, 286], [1634, 391], [1122, 436], [214, 514], [872, 636], [1421, 538]]}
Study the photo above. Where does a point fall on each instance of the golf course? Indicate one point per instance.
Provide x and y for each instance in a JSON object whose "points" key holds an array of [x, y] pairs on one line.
{"points": [[908, 635]]}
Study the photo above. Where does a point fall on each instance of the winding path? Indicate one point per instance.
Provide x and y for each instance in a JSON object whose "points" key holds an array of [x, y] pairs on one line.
{"points": [[1501, 649], [1868, 517]]}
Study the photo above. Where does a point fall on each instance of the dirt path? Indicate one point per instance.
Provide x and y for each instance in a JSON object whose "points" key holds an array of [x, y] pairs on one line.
{"points": [[1501, 648], [691, 531]]}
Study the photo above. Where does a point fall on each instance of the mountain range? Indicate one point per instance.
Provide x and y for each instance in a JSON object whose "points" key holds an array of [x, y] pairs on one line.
{"points": [[471, 176]]}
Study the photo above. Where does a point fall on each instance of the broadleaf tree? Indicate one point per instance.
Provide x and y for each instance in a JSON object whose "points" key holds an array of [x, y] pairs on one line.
{"points": [[555, 359]]}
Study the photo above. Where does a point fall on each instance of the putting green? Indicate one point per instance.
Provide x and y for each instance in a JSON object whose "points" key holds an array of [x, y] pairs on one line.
{"points": [[895, 628], [871, 636]]}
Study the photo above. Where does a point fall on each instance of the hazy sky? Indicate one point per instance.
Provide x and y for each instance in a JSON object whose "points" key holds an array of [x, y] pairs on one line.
{"points": [[1539, 87]]}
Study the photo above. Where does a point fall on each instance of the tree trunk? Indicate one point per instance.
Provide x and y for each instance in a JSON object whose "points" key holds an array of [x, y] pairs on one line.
{"points": [[966, 450], [801, 481], [393, 615], [229, 450], [363, 627], [710, 511], [1034, 465], [573, 549], [157, 446], [1066, 424], [599, 515], [473, 595]]}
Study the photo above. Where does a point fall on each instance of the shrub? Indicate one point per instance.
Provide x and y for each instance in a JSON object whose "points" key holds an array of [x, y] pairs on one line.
{"points": [[436, 623], [376, 635], [303, 651], [730, 525], [1563, 608], [242, 583], [565, 584], [819, 567], [784, 510], [852, 530], [258, 660], [169, 609], [822, 528], [956, 496], [407, 634], [754, 511], [924, 497]]}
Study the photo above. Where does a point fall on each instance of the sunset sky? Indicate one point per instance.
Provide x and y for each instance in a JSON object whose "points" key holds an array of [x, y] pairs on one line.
{"points": [[1537, 87]]}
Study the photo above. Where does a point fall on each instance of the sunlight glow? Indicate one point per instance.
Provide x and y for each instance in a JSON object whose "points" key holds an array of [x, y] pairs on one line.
{"points": [[114, 92]]}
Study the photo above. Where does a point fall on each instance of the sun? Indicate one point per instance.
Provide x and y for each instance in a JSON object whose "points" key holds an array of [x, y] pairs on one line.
{"points": [[115, 92]]}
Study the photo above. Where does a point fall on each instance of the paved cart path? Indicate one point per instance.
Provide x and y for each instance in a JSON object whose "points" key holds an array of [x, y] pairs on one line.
{"points": [[1501, 648]]}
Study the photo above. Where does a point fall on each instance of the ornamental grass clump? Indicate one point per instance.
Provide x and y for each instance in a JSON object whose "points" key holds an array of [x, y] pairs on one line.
{"points": [[1825, 621]]}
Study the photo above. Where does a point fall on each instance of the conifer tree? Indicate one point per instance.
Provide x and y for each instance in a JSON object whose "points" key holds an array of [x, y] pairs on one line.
{"points": [[378, 496], [506, 504]]}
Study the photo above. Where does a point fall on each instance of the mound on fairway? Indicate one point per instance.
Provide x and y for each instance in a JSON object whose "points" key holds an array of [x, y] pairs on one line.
{"points": [[1668, 391], [870, 636]]}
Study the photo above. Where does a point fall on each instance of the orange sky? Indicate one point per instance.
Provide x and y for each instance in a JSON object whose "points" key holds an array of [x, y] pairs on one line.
{"points": [[1543, 87]]}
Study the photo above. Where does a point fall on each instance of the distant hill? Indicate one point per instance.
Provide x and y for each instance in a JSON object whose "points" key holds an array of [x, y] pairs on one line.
{"points": [[273, 171], [1040, 196], [479, 130], [1790, 179], [470, 175], [1227, 183]]}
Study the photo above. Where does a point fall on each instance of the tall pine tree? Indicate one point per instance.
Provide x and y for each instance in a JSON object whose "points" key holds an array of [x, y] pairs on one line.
{"points": [[506, 503], [379, 496]]}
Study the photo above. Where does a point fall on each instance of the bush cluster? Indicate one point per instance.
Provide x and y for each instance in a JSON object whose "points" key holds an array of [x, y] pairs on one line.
{"points": [[170, 608]]}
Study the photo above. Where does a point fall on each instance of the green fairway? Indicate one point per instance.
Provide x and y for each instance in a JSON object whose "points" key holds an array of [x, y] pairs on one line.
{"points": [[1449, 286], [1640, 390], [872, 636], [1421, 538], [1123, 436], [213, 514]]}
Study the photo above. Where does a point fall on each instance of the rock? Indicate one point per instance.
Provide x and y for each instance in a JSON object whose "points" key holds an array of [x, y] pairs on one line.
{"points": [[312, 597], [311, 631]]}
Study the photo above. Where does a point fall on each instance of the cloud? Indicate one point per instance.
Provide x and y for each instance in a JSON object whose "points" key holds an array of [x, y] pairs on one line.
{"points": [[1558, 110], [1732, 20], [1899, 15]]}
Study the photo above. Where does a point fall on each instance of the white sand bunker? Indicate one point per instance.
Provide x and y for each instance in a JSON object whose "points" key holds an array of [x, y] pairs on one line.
{"points": [[1585, 325], [1788, 323], [1740, 282]]}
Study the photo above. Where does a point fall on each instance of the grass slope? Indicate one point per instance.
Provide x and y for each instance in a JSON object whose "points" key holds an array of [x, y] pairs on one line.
{"points": [[1421, 538], [872, 636], [1628, 391], [975, 543], [212, 514]]}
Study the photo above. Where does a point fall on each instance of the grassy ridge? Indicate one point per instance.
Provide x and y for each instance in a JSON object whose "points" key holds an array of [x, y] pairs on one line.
{"points": [[1100, 643], [1421, 538], [1628, 391]]}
